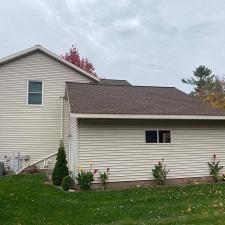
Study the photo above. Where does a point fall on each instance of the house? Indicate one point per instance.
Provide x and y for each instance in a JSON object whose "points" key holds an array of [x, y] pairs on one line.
{"points": [[103, 122]]}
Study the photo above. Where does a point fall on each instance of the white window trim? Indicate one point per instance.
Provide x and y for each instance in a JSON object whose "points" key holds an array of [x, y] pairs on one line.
{"points": [[42, 97], [158, 143]]}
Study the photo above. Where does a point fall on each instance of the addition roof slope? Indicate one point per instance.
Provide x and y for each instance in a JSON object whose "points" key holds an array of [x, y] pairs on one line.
{"points": [[134, 100]]}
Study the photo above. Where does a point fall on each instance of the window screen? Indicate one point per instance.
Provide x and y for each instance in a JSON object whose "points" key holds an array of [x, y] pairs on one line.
{"points": [[35, 92]]}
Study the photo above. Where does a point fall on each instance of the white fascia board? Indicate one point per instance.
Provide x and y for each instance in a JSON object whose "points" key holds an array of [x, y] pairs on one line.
{"points": [[127, 116], [51, 54]]}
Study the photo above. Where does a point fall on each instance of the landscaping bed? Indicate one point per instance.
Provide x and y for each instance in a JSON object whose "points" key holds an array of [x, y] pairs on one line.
{"points": [[27, 200]]}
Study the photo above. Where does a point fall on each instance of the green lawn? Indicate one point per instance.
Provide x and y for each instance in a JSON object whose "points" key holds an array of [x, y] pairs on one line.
{"points": [[26, 200]]}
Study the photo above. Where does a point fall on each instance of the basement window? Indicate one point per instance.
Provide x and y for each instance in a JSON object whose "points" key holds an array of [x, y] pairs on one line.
{"points": [[35, 89], [157, 136]]}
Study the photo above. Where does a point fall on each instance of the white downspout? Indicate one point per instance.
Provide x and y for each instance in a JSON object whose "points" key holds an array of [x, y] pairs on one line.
{"points": [[62, 118]]}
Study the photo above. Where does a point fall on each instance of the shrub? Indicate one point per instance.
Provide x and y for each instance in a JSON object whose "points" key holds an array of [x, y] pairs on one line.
{"points": [[160, 172], [85, 178], [104, 178], [68, 183], [60, 169], [215, 168]]}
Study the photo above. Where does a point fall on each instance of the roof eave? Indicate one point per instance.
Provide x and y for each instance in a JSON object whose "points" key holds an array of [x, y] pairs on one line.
{"points": [[134, 116]]}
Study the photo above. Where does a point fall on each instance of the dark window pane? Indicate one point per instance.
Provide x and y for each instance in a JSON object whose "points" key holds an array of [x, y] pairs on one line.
{"points": [[151, 136], [35, 86], [35, 99], [164, 136]]}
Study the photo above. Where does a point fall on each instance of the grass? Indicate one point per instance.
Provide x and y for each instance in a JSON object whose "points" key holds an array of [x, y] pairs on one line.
{"points": [[26, 200]]}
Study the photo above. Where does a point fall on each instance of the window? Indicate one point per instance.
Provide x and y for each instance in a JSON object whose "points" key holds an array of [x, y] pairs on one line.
{"points": [[35, 93], [151, 136], [164, 136], [157, 136]]}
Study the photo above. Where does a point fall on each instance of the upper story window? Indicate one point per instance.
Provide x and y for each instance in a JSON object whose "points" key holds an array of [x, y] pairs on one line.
{"points": [[35, 89], [157, 136]]}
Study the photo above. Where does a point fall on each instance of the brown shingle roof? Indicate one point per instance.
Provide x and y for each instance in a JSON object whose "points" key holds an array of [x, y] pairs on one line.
{"points": [[118, 99], [113, 82]]}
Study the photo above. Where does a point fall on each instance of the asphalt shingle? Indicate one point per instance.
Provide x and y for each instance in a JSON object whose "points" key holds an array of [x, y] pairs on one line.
{"points": [[128, 99]]}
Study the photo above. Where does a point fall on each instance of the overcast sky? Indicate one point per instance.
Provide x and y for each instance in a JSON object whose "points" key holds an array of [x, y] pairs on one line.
{"points": [[148, 42]]}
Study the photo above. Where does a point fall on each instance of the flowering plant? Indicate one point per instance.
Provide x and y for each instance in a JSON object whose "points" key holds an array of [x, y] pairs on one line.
{"points": [[222, 177], [85, 178], [160, 172], [215, 168], [104, 178]]}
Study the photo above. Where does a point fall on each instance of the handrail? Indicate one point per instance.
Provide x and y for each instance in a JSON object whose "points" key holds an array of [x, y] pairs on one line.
{"points": [[44, 159]]}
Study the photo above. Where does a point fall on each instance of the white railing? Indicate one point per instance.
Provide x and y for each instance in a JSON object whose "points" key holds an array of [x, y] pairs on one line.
{"points": [[34, 163]]}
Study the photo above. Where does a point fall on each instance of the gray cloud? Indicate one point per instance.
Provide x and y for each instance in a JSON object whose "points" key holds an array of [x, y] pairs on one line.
{"points": [[148, 42]]}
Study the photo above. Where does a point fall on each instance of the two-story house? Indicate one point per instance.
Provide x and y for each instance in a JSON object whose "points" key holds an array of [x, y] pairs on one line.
{"points": [[106, 123]]}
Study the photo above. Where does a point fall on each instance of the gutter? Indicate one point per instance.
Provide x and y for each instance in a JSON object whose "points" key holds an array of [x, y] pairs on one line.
{"points": [[62, 117], [132, 116]]}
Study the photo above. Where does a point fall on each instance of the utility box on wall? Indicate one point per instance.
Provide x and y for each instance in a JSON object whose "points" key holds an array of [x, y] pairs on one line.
{"points": [[16, 162]]}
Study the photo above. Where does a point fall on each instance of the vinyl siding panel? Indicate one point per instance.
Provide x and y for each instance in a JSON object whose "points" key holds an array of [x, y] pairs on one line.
{"points": [[33, 130], [120, 145], [74, 145]]}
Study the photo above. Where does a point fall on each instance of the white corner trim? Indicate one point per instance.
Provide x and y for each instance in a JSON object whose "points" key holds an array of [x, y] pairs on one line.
{"points": [[49, 53], [74, 146], [67, 98], [131, 116], [76, 166]]}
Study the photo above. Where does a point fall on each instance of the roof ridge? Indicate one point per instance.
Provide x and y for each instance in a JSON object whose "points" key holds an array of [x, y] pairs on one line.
{"points": [[112, 79], [145, 86]]}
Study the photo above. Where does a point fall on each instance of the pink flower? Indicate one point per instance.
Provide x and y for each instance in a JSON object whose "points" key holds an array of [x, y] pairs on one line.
{"points": [[95, 171]]}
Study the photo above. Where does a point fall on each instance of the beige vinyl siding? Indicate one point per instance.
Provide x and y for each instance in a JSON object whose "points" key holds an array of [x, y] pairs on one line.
{"points": [[120, 145], [50, 161], [28, 129]]}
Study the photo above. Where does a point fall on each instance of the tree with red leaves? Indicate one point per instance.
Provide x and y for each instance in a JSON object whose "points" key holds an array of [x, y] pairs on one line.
{"points": [[74, 57]]}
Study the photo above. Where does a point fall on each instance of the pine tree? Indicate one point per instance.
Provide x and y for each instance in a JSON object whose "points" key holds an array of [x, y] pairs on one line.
{"points": [[60, 169], [203, 81], [208, 87]]}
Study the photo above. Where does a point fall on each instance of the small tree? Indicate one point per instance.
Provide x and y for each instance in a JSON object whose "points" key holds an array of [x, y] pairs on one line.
{"points": [[104, 176], [60, 169], [160, 172], [73, 56], [215, 168]]}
